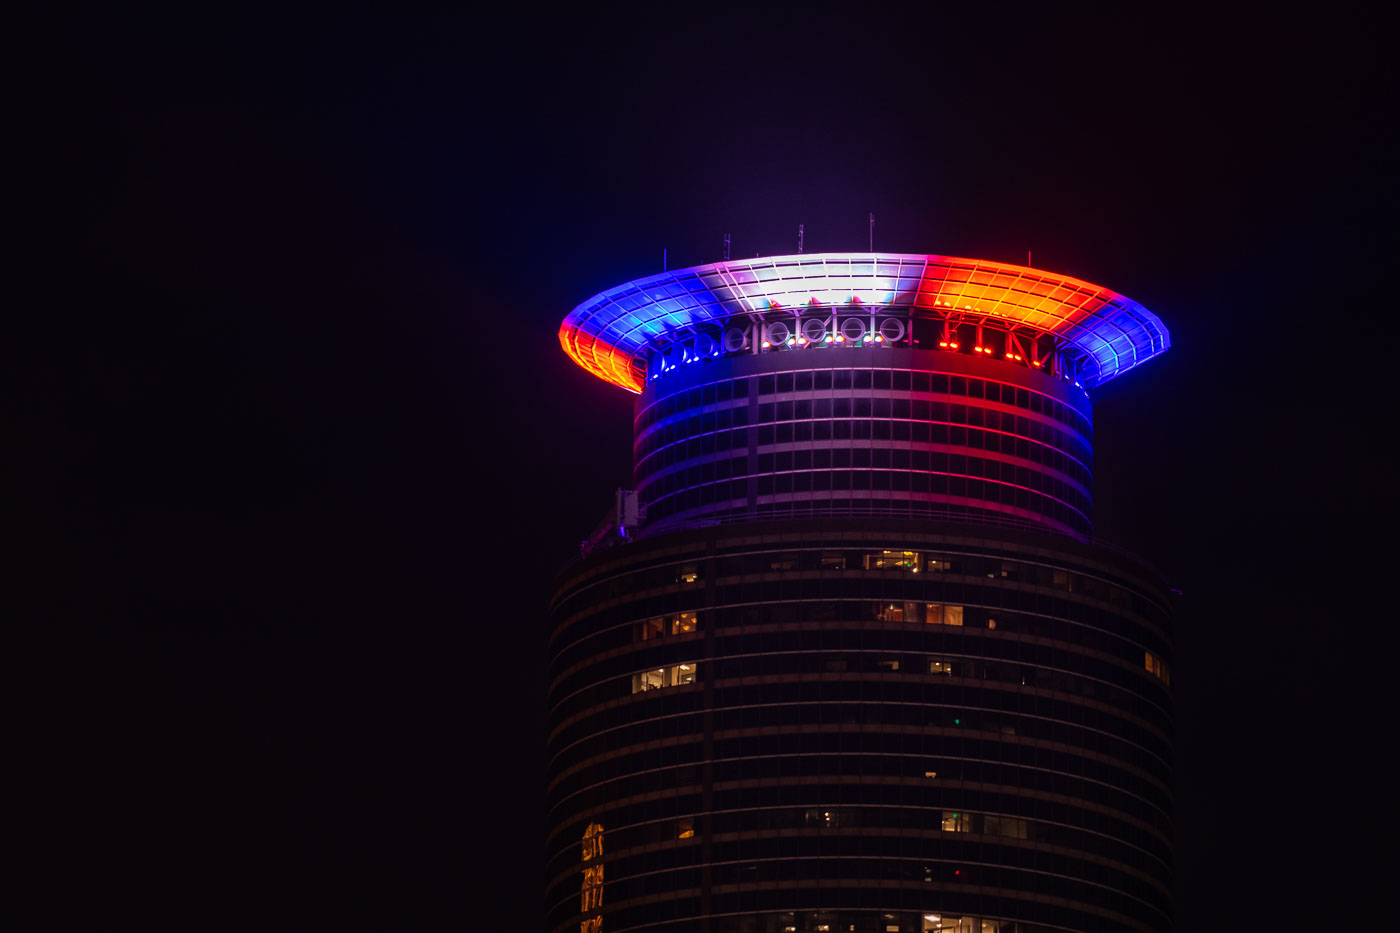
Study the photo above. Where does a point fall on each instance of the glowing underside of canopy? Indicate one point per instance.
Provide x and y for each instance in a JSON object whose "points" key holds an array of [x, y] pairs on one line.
{"points": [[1110, 333]]}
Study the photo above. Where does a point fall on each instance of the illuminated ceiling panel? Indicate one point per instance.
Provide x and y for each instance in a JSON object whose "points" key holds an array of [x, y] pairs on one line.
{"points": [[606, 334]]}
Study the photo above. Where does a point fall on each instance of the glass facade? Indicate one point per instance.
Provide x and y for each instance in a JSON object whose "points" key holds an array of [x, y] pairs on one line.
{"points": [[859, 723], [923, 434]]}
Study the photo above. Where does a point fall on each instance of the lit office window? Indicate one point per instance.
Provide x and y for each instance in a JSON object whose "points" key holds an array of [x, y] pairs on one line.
{"points": [[688, 573], [685, 828], [661, 626], [783, 563], [889, 612], [941, 614], [591, 891], [955, 822], [833, 561], [911, 561], [663, 677], [936, 565], [1157, 667], [942, 666]]}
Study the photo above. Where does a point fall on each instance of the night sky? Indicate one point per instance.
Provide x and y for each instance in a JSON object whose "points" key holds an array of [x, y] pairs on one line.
{"points": [[295, 452]]}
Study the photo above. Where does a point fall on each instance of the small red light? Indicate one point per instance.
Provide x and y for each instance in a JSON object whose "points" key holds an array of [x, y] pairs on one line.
{"points": [[942, 343], [953, 345]]}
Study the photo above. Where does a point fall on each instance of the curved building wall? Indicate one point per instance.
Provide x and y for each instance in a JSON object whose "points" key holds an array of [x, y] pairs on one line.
{"points": [[864, 431], [859, 724]]}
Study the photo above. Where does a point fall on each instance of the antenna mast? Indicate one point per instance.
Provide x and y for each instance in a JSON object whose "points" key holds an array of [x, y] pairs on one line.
{"points": [[872, 231], [799, 239], [726, 247]]}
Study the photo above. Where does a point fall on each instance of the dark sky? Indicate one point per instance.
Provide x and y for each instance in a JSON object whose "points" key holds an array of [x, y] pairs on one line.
{"points": [[295, 452]]}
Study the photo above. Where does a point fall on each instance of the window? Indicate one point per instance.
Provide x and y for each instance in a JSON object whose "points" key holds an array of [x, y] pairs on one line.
{"points": [[888, 612], [592, 887], [1157, 668], [688, 573], [824, 818], [833, 562], [834, 665], [1005, 826], [943, 666], [679, 624], [887, 664], [662, 677], [685, 828], [936, 565], [940, 614], [955, 822], [783, 563], [911, 561]]}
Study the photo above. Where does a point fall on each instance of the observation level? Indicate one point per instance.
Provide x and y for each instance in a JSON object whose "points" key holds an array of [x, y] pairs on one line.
{"points": [[648, 327], [841, 384]]}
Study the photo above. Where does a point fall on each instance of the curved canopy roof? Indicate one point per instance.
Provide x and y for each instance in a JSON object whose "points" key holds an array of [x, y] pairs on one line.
{"points": [[1111, 333]]}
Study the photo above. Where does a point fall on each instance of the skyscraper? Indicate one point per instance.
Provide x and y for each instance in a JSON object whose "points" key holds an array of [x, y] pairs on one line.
{"points": [[847, 658]]}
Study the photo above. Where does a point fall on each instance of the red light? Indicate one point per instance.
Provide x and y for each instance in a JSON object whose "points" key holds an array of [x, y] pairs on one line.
{"points": [[957, 871], [953, 345], [1035, 362], [1010, 355], [942, 343]]}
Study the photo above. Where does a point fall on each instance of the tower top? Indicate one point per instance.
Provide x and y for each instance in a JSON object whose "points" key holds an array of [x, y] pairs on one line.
{"points": [[1100, 332]]}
